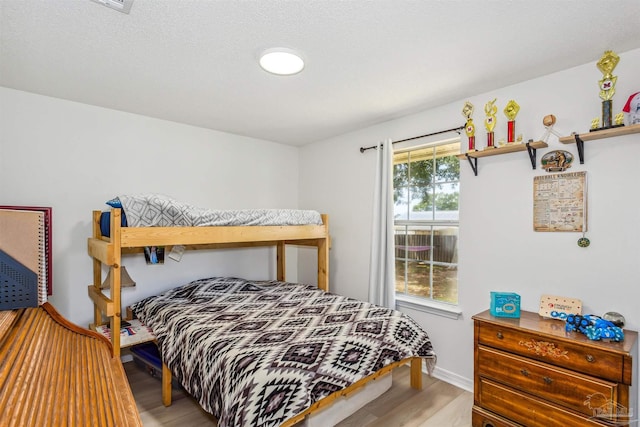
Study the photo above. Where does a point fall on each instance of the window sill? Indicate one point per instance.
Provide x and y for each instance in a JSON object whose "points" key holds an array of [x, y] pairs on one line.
{"points": [[450, 311]]}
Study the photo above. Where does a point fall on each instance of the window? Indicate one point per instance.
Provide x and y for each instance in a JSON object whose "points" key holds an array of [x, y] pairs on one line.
{"points": [[426, 183]]}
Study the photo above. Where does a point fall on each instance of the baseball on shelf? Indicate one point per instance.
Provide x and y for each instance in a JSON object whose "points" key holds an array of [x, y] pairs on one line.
{"points": [[549, 120]]}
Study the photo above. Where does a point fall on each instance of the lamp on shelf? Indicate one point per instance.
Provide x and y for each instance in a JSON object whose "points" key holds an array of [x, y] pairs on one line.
{"points": [[125, 280]]}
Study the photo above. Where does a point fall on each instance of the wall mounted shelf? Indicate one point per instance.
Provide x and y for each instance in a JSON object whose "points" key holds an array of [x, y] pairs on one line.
{"points": [[530, 146], [579, 139]]}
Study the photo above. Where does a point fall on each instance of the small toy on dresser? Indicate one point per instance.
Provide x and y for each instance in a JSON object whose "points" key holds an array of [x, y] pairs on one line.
{"points": [[557, 307], [505, 304], [594, 327]]}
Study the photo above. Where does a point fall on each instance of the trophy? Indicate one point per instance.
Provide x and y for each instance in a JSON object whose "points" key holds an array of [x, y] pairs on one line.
{"points": [[606, 64], [470, 128], [511, 111], [490, 121]]}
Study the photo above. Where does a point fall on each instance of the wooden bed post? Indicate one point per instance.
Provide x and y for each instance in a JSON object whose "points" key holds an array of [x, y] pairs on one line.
{"points": [[108, 252], [166, 385], [115, 289], [97, 269], [323, 257], [281, 261], [416, 373]]}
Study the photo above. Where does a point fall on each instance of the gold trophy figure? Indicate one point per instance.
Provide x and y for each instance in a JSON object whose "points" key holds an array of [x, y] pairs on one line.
{"points": [[511, 111], [470, 128], [606, 64], [490, 121], [618, 120]]}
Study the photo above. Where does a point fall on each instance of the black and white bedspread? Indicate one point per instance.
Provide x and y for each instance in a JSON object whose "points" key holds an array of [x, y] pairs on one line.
{"points": [[256, 353], [156, 210]]}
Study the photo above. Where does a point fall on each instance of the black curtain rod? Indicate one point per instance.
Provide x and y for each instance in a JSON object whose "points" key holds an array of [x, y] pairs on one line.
{"points": [[458, 129]]}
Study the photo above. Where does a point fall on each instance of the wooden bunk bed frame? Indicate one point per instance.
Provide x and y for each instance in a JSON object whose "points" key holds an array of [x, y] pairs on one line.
{"points": [[109, 250], [123, 240]]}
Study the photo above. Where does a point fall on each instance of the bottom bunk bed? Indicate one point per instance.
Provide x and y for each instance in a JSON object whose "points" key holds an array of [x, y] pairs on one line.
{"points": [[269, 353]]}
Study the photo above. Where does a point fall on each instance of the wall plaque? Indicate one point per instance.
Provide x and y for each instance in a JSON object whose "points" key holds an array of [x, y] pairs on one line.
{"points": [[560, 202]]}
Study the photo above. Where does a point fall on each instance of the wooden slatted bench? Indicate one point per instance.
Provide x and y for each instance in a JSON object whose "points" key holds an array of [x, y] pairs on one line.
{"points": [[54, 373]]}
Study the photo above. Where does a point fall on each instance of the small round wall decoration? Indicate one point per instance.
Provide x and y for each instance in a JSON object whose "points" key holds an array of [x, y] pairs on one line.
{"points": [[556, 161], [583, 242]]}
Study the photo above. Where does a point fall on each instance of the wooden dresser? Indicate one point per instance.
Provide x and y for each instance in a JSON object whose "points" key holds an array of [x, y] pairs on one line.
{"points": [[530, 372], [54, 373]]}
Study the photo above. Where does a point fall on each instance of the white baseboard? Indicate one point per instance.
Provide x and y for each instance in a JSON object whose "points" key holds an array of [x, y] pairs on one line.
{"points": [[453, 379]]}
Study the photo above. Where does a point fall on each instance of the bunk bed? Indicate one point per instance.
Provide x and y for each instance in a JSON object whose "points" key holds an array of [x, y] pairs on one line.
{"points": [[108, 251], [113, 235]]}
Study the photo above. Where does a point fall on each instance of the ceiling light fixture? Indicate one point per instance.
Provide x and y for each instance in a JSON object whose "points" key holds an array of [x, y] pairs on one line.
{"points": [[281, 61]]}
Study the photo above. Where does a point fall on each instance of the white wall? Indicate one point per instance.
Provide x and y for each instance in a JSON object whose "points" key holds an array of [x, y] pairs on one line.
{"points": [[74, 157], [498, 249]]}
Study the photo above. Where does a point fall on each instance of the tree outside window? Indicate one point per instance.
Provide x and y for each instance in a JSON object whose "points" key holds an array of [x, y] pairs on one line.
{"points": [[426, 183]]}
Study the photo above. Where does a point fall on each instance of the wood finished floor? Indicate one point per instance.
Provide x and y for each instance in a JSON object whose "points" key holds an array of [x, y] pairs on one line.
{"points": [[438, 404]]}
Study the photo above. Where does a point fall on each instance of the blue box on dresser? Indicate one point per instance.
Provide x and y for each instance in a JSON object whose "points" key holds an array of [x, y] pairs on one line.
{"points": [[505, 304]]}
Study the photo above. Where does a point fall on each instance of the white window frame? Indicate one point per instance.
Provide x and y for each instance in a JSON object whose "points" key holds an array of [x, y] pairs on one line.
{"points": [[428, 305]]}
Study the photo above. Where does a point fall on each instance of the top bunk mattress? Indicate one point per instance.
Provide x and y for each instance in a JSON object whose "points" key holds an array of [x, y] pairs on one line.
{"points": [[155, 210]]}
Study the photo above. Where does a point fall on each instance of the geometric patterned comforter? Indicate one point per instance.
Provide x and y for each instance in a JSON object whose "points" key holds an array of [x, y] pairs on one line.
{"points": [[157, 210], [256, 353]]}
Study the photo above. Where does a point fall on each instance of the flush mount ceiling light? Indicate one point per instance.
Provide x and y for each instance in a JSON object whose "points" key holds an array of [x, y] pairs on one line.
{"points": [[281, 61]]}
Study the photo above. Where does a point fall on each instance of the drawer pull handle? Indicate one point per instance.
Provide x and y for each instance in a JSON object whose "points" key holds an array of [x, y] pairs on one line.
{"points": [[590, 358], [524, 372], [499, 335], [486, 423], [547, 380]]}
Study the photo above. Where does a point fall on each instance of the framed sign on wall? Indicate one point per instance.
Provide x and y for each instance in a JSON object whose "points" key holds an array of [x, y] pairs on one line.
{"points": [[560, 202]]}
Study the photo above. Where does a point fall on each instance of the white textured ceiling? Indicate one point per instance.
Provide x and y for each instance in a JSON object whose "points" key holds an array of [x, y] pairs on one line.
{"points": [[195, 61]]}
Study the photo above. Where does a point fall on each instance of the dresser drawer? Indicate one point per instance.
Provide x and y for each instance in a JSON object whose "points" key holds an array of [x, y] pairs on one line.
{"points": [[482, 418], [527, 410], [568, 355], [570, 389]]}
